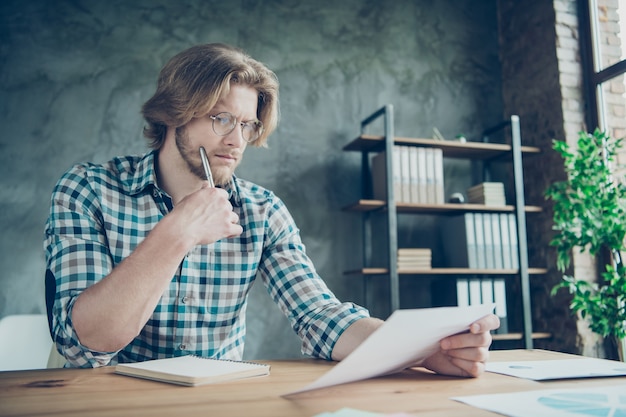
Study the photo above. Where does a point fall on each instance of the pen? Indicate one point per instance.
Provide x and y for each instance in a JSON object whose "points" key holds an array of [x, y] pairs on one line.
{"points": [[207, 168]]}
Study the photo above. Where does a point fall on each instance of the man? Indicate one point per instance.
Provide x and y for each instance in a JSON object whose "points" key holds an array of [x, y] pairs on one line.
{"points": [[148, 260]]}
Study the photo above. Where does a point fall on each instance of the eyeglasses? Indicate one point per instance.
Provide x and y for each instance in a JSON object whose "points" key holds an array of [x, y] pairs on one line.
{"points": [[224, 123]]}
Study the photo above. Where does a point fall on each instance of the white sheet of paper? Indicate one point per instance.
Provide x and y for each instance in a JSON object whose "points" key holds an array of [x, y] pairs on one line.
{"points": [[577, 402], [406, 337], [351, 412], [348, 412], [559, 369]]}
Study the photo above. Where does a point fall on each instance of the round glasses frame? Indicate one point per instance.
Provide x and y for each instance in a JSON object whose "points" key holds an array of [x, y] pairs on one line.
{"points": [[225, 122]]}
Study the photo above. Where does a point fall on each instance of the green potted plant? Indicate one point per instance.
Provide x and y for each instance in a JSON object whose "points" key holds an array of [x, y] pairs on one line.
{"points": [[590, 216]]}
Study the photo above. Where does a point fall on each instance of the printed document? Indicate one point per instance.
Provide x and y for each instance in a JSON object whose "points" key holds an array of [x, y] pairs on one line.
{"points": [[406, 338], [608, 401], [559, 368]]}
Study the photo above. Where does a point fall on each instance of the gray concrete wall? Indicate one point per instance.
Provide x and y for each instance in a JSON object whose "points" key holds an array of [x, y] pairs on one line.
{"points": [[73, 75]]}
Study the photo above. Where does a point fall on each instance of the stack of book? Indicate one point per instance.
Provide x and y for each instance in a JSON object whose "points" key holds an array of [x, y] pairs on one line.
{"points": [[414, 258], [487, 193]]}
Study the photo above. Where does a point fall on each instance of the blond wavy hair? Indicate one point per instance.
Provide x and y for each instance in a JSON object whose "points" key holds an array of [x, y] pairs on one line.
{"points": [[193, 81]]}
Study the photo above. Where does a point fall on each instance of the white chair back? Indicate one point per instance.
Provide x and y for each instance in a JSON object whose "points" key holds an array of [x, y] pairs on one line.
{"points": [[25, 342]]}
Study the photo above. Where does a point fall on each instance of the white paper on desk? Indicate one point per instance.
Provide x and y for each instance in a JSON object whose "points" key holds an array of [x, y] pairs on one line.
{"points": [[578, 402], [559, 369], [351, 412], [406, 337]]}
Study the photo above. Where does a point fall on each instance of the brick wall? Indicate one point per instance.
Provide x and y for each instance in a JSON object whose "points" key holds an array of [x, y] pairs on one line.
{"points": [[542, 83], [570, 69]]}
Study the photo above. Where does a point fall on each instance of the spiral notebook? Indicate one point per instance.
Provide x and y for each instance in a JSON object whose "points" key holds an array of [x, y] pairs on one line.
{"points": [[192, 370]]}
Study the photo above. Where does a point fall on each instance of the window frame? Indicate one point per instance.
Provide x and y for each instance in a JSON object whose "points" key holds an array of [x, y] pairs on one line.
{"points": [[593, 79]]}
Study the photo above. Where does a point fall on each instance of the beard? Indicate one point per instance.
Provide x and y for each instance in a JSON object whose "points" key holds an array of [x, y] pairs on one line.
{"points": [[191, 156]]}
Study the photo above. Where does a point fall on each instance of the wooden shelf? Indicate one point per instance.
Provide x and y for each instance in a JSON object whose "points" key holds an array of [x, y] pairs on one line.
{"points": [[451, 149], [364, 205], [445, 271]]}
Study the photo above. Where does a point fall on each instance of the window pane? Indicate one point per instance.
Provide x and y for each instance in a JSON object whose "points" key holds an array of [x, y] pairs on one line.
{"points": [[610, 29], [613, 106], [621, 15], [612, 102]]}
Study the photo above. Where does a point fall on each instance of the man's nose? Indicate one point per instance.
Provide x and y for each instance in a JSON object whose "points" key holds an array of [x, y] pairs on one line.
{"points": [[235, 138]]}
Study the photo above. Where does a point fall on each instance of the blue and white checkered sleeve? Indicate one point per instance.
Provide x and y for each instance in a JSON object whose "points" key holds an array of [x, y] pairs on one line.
{"points": [[77, 255], [314, 312]]}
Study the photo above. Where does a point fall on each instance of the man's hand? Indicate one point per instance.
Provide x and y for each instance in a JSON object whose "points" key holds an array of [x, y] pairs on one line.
{"points": [[464, 354], [207, 216]]}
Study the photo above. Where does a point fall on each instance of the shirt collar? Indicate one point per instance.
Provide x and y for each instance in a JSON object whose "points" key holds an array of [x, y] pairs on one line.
{"points": [[145, 178], [145, 174], [233, 191]]}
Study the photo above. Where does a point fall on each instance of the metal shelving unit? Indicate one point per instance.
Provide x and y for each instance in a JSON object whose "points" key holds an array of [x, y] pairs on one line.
{"points": [[486, 152]]}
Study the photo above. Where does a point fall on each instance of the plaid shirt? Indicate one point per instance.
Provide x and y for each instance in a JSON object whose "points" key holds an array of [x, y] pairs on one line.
{"points": [[100, 213]]}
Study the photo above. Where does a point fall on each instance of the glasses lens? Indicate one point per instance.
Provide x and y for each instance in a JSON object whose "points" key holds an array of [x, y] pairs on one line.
{"points": [[223, 123], [251, 130]]}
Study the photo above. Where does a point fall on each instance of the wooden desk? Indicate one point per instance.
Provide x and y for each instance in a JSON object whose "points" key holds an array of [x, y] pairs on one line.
{"points": [[99, 392]]}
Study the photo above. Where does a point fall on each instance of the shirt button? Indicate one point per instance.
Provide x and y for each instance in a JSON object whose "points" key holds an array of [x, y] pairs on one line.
{"points": [[182, 346], [185, 299], [155, 193]]}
